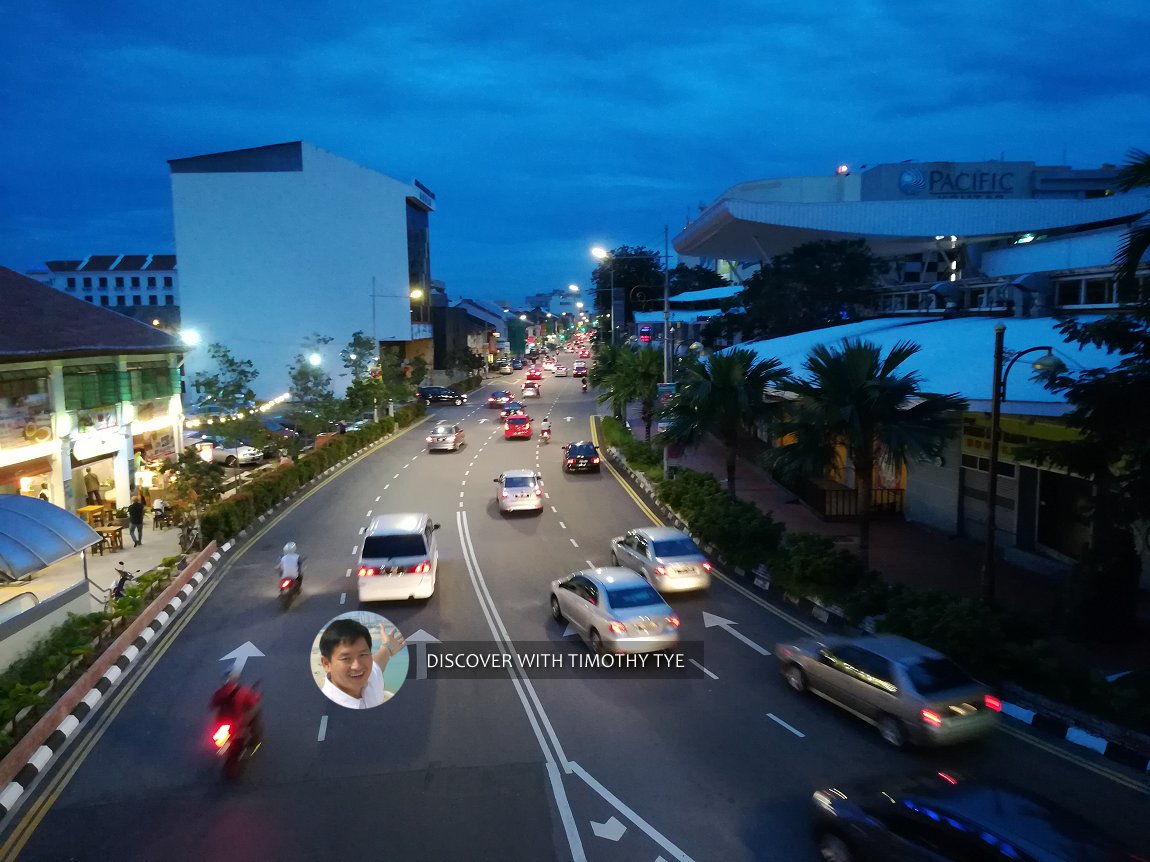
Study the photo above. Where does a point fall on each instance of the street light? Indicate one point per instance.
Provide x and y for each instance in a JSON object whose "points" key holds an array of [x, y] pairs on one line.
{"points": [[315, 359], [1047, 363], [574, 287]]}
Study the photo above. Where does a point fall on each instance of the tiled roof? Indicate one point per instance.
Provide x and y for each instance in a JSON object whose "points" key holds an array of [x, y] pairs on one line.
{"points": [[99, 262], [40, 322], [162, 261], [63, 265], [132, 262]]}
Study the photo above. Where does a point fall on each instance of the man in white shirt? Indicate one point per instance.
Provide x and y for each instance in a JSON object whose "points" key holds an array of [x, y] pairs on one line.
{"points": [[354, 675]]}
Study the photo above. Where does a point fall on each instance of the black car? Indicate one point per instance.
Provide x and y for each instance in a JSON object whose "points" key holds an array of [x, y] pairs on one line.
{"points": [[944, 816], [580, 457], [440, 394]]}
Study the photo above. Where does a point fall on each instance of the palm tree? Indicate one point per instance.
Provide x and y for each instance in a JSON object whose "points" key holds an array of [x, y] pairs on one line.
{"points": [[636, 378], [856, 403], [724, 395], [1134, 174], [608, 362]]}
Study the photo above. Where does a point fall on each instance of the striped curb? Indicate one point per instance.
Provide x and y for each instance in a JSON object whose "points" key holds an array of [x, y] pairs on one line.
{"points": [[55, 740], [1084, 732]]}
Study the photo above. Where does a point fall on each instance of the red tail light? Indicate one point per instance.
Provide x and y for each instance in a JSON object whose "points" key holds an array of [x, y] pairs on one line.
{"points": [[932, 718], [949, 779], [673, 621], [706, 566], [285, 583], [506, 426], [618, 628], [538, 492], [504, 494], [421, 569], [222, 735], [660, 570], [594, 460], [570, 460], [992, 702], [428, 439], [367, 572]]}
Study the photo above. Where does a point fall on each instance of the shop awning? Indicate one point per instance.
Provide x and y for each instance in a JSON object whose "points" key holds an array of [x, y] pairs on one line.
{"points": [[35, 534]]}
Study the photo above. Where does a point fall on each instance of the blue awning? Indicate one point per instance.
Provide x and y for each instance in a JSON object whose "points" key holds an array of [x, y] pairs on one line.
{"points": [[35, 534]]}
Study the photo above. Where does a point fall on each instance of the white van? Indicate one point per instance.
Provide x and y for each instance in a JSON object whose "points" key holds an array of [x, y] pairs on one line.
{"points": [[399, 558]]}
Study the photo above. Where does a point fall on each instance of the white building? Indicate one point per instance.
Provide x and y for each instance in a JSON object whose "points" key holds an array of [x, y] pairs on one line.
{"points": [[144, 287], [282, 241]]}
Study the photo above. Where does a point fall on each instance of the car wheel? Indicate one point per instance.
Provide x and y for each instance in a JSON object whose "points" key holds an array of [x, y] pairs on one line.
{"points": [[458, 402], [892, 732], [231, 461], [832, 848], [556, 612], [596, 643], [614, 559], [795, 678]]}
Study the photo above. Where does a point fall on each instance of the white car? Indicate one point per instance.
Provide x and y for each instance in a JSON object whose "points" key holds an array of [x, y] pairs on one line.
{"points": [[520, 491], [399, 558], [232, 456], [615, 610], [560, 370], [445, 435], [548, 364]]}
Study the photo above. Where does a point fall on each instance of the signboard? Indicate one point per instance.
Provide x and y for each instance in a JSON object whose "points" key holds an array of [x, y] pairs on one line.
{"points": [[1015, 433], [666, 393], [25, 420], [944, 180]]}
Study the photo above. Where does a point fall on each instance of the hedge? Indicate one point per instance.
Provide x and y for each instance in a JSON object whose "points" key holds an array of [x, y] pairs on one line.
{"points": [[642, 455]]}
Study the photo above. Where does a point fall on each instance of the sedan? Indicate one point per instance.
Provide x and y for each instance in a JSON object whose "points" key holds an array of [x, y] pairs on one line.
{"points": [[517, 364], [511, 408], [580, 457], [548, 364], [908, 691], [579, 370], [668, 558], [530, 390], [534, 373], [560, 370], [614, 610], [499, 397], [520, 491], [233, 456], [445, 436], [517, 427]]}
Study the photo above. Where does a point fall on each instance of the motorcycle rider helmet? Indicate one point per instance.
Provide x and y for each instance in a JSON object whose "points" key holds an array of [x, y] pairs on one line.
{"points": [[289, 548]]}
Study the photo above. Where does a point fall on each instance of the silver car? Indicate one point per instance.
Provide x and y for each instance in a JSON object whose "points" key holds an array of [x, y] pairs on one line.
{"points": [[910, 692], [520, 491], [615, 610], [445, 435], [668, 558]]}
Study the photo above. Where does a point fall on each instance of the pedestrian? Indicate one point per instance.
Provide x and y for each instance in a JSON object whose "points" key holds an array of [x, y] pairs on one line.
{"points": [[92, 487], [44, 492], [136, 521]]}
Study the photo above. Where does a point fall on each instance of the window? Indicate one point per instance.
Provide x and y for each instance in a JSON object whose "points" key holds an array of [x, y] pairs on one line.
{"points": [[676, 548], [641, 596], [1085, 291], [152, 300], [71, 283], [103, 281], [974, 462], [120, 281], [139, 300], [401, 545], [151, 281], [933, 675], [135, 281], [169, 300], [87, 281], [103, 300], [167, 281], [121, 300], [90, 298]]}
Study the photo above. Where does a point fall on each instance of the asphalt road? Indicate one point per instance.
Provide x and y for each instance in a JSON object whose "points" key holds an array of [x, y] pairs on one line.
{"points": [[609, 765]]}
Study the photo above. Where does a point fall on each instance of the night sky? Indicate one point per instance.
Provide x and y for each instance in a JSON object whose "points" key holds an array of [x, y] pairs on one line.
{"points": [[543, 128]]}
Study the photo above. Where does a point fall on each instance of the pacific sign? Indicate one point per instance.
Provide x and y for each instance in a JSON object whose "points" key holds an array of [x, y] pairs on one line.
{"points": [[957, 183]]}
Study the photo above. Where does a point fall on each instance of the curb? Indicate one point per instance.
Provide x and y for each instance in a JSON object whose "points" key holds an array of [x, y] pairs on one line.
{"points": [[1086, 731], [98, 681]]}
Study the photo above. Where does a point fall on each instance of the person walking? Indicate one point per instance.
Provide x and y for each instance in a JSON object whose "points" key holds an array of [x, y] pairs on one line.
{"points": [[136, 521], [92, 488]]}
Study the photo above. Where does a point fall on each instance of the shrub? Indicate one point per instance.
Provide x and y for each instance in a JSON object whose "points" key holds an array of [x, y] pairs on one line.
{"points": [[810, 565]]}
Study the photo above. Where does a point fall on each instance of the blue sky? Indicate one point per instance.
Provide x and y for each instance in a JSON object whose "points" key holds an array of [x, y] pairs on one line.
{"points": [[543, 128]]}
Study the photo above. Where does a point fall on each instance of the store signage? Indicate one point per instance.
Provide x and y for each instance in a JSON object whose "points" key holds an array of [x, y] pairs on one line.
{"points": [[948, 180], [24, 421], [95, 444]]}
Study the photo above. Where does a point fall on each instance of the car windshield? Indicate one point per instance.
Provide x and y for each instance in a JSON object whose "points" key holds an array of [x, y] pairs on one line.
{"points": [[932, 675], [681, 547], [633, 597], [406, 545], [518, 481]]}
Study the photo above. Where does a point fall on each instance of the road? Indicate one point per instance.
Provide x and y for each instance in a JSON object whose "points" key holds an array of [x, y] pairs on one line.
{"points": [[606, 766]]}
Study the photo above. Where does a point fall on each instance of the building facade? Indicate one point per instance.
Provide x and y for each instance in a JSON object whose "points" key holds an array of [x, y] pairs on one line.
{"points": [[82, 389], [969, 246], [282, 241], [144, 287]]}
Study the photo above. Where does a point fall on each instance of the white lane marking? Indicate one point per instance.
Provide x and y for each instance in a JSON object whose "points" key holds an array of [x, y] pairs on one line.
{"points": [[703, 669], [405, 466], [348, 575], [368, 513], [782, 723], [712, 620], [362, 530], [553, 509], [464, 482], [573, 542], [461, 495], [377, 499], [562, 525], [342, 598], [354, 549], [396, 476], [467, 472], [642, 824], [590, 564], [388, 485], [322, 729]]}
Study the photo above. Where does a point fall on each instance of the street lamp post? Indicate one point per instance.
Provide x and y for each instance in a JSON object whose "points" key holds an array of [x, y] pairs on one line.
{"points": [[1045, 363]]}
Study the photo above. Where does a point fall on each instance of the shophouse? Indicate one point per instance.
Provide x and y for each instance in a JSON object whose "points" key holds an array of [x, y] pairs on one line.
{"points": [[82, 389], [279, 242], [970, 246]]}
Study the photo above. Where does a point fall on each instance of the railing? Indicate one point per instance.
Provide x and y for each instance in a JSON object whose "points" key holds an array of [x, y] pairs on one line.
{"points": [[841, 503]]}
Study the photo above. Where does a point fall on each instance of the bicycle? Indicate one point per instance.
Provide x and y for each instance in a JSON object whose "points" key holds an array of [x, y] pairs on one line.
{"points": [[190, 539], [117, 591]]}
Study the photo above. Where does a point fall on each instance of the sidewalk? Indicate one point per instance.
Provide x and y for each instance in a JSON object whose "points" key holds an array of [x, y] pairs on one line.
{"points": [[916, 555]]}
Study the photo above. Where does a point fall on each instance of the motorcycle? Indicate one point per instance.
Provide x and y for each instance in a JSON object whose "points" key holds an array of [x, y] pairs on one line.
{"points": [[545, 435], [584, 384], [289, 589], [232, 747]]}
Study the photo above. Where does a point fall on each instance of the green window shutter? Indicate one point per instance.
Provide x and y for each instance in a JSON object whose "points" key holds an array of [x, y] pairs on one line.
{"points": [[125, 386], [73, 392], [109, 388], [173, 381]]}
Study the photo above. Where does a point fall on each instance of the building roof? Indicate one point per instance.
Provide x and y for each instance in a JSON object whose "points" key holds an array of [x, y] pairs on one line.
{"points": [[35, 534], [729, 291], [678, 315], [754, 230], [40, 322], [115, 263], [957, 355]]}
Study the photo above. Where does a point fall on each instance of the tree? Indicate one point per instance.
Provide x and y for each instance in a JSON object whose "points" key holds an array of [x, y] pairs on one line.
{"points": [[635, 376], [195, 483], [229, 388], [724, 395], [608, 361], [1134, 175], [687, 279], [858, 404], [463, 359], [359, 355], [314, 401], [633, 267]]}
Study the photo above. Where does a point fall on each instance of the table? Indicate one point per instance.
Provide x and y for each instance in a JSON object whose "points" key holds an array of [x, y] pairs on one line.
{"points": [[113, 537], [94, 515]]}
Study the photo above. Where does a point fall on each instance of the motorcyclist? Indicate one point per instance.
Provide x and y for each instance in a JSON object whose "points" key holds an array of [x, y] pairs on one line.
{"points": [[240, 705], [545, 426], [584, 379], [290, 565]]}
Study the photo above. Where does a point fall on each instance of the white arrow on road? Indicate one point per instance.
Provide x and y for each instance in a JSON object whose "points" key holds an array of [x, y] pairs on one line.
{"points": [[710, 621], [567, 632], [568, 418], [421, 639], [240, 655], [612, 830]]}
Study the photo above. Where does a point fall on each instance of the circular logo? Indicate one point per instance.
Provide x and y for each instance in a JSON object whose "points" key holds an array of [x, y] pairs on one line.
{"points": [[911, 182]]}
